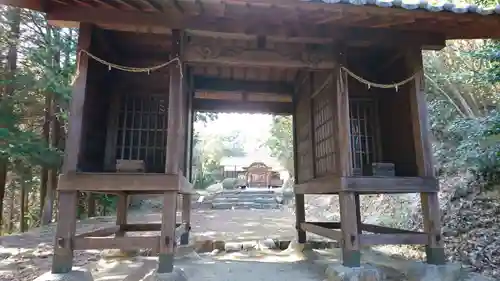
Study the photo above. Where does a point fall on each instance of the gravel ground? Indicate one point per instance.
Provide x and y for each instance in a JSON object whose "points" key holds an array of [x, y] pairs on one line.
{"points": [[26, 256], [242, 266]]}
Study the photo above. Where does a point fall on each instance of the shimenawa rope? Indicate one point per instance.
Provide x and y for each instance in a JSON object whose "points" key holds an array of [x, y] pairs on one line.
{"points": [[378, 85]]}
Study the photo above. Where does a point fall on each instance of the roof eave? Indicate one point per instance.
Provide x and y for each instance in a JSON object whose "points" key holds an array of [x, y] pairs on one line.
{"points": [[36, 5]]}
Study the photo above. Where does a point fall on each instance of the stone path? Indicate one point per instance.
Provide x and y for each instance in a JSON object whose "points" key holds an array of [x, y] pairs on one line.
{"points": [[25, 256], [241, 266]]}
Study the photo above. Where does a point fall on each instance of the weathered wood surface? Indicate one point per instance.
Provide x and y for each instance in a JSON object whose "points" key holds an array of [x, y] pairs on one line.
{"points": [[124, 182], [368, 185], [429, 200], [68, 200], [285, 19], [238, 53]]}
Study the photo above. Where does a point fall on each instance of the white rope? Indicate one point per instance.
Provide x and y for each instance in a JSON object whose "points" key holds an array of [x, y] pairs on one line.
{"points": [[134, 69], [378, 85]]}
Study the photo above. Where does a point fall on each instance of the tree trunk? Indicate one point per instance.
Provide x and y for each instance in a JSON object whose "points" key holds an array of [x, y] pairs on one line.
{"points": [[22, 207], [90, 205], [14, 20], [45, 172], [12, 200]]}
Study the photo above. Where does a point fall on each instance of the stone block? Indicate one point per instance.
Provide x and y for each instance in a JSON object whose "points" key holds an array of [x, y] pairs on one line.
{"points": [[429, 272], [176, 275], [186, 252], [339, 272], [77, 274], [118, 254]]}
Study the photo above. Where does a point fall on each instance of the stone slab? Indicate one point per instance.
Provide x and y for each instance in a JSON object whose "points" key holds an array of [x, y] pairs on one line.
{"points": [[419, 271], [77, 274], [337, 272]]}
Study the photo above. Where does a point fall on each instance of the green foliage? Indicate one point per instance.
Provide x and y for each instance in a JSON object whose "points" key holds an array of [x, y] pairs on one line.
{"points": [[229, 183], [491, 53], [280, 142], [208, 151]]}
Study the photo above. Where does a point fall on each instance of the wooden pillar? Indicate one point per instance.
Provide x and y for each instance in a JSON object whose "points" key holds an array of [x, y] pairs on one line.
{"points": [[121, 213], [186, 124], [349, 213], [300, 212], [186, 217], [112, 132], [68, 200], [423, 150], [172, 162]]}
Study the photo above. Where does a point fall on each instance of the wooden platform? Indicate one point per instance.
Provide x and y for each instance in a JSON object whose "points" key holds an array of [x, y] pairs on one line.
{"points": [[368, 185], [130, 183]]}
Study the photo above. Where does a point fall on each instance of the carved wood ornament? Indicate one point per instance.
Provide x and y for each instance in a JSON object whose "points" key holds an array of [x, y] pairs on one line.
{"points": [[291, 55]]}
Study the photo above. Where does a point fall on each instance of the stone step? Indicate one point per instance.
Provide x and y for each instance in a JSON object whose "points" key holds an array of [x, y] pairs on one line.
{"points": [[244, 205], [247, 191], [237, 200], [245, 196], [250, 196]]}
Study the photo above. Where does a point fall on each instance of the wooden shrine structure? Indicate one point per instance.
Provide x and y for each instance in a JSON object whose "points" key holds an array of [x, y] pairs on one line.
{"points": [[259, 174], [334, 65]]}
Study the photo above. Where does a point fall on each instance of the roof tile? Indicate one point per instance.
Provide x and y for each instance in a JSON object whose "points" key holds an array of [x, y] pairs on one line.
{"points": [[431, 6]]}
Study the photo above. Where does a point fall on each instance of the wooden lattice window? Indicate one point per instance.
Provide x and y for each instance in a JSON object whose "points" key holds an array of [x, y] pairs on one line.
{"points": [[323, 135], [142, 131], [363, 119], [301, 121]]}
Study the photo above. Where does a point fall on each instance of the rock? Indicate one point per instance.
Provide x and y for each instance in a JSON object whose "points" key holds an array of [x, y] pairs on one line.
{"points": [[176, 275], [77, 274], [233, 247], [267, 244], [339, 272], [118, 254], [477, 277], [186, 252], [428, 272]]}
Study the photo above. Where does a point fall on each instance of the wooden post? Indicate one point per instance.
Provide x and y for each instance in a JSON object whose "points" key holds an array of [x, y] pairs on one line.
{"points": [[300, 212], [68, 200], [186, 217], [186, 124], [121, 213], [429, 200], [189, 128], [349, 212], [172, 163]]}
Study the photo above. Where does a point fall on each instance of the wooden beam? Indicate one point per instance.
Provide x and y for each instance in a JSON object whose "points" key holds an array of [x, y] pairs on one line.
{"points": [[84, 4], [329, 225], [100, 232], [152, 5], [141, 227], [384, 229], [367, 185], [393, 239], [114, 182], [231, 106], [324, 185], [304, 31], [321, 231], [105, 3], [26, 4], [127, 4], [293, 56], [122, 243], [391, 184], [230, 85]]}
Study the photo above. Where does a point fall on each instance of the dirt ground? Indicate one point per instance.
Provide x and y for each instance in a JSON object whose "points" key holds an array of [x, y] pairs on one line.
{"points": [[25, 256]]}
